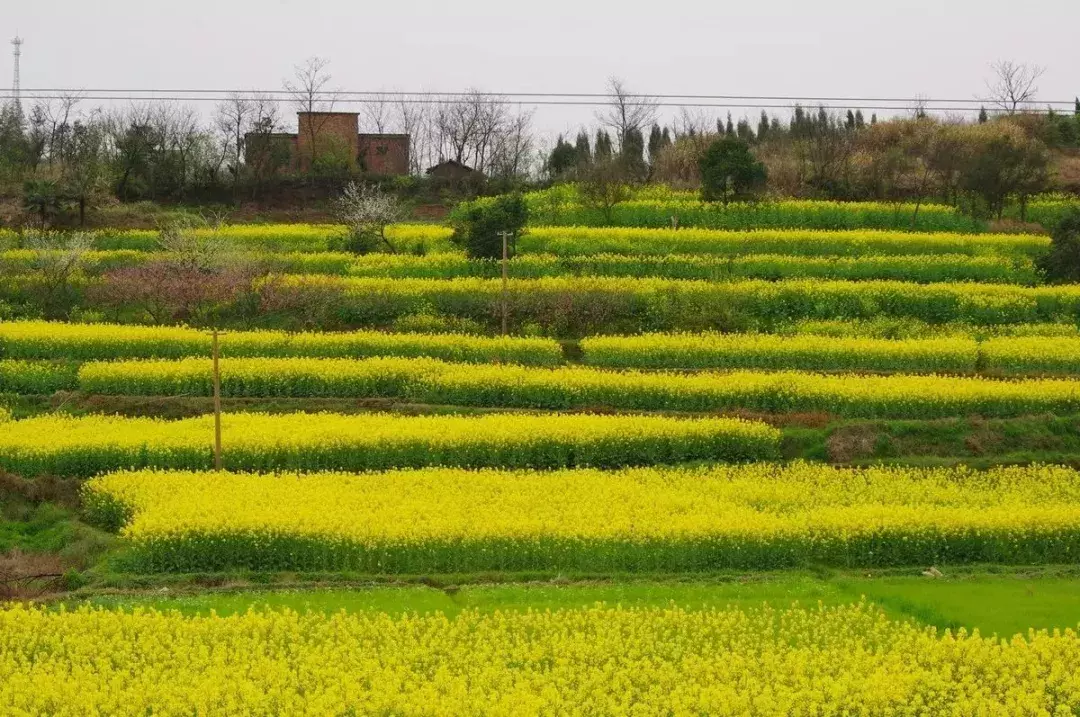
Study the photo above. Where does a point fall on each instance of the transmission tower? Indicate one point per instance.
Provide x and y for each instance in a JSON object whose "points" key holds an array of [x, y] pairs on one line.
{"points": [[16, 53]]}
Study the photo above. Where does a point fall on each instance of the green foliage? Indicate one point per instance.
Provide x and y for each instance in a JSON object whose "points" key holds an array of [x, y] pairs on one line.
{"points": [[729, 171], [42, 198], [563, 158], [1062, 264], [478, 226]]}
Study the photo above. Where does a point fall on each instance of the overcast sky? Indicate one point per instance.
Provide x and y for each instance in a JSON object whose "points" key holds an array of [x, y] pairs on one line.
{"points": [[934, 48]]}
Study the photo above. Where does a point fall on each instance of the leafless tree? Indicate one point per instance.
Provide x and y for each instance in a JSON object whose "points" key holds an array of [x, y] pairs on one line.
{"points": [[692, 123], [377, 111], [458, 125], [412, 119], [233, 120], [513, 150], [310, 91], [263, 158], [626, 111], [1013, 85]]}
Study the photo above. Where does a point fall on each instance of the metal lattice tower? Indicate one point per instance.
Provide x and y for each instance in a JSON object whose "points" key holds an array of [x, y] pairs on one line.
{"points": [[16, 53]]}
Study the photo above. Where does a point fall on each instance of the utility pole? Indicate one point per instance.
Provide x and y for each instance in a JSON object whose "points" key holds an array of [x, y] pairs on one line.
{"points": [[505, 279], [217, 405], [15, 82]]}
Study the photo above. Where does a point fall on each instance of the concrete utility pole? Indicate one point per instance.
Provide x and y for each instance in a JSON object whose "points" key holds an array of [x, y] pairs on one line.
{"points": [[505, 279], [217, 406]]}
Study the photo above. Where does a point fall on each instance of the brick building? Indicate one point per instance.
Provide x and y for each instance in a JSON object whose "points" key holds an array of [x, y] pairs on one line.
{"points": [[337, 134]]}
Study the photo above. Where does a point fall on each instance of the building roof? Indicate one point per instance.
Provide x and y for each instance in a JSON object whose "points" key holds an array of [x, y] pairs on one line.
{"points": [[450, 163]]}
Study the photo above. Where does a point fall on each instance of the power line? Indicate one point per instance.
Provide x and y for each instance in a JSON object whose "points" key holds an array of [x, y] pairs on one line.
{"points": [[271, 94], [532, 103]]}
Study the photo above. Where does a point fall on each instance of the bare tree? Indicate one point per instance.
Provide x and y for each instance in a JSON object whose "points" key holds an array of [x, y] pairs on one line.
{"points": [[1013, 85], [233, 119], [626, 111], [692, 123], [513, 151], [262, 155], [377, 111], [310, 93], [412, 119]]}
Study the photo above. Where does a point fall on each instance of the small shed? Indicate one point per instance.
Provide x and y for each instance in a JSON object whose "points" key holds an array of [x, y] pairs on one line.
{"points": [[452, 170]]}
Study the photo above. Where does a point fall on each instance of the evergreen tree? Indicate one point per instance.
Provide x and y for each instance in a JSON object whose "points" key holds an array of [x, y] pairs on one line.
{"points": [[983, 117], [656, 142], [744, 131], [602, 150], [860, 122], [798, 119], [873, 118], [763, 126], [849, 123], [562, 159], [1076, 109], [632, 154], [581, 148], [666, 138], [729, 171], [729, 129]]}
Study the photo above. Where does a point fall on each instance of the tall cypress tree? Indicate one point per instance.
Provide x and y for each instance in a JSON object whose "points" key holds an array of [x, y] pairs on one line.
{"points": [[860, 122], [1076, 109], [602, 150], [983, 117], [656, 142], [581, 147], [849, 123], [563, 158], [763, 126], [729, 130], [632, 153]]}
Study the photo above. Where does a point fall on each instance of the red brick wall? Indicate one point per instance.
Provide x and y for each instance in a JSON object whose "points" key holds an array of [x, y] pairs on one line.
{"points": [[327, 129], [386, 154]]}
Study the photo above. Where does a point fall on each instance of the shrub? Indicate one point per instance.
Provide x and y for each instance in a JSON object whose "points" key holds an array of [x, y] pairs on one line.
{"points": [[477, 227], [1062, 263], [166, 292], [729, 171]]}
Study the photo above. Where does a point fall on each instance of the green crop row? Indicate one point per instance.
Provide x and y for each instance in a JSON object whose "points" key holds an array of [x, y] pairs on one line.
{"points": [[81, 447], [436, 382], [579, 241], [587, 305], [563, 205], [916, 268], [259, 237]]}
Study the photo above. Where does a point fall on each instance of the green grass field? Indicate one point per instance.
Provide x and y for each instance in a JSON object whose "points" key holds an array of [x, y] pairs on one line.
{"points": [[1005, 604]]}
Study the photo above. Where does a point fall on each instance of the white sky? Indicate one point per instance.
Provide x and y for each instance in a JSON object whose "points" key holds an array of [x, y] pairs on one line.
{"points": [[934, 48]]}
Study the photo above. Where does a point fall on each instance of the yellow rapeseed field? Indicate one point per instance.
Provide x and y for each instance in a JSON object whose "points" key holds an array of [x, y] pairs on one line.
{"points": [[73, 447], [601, 660], [673, 520]]}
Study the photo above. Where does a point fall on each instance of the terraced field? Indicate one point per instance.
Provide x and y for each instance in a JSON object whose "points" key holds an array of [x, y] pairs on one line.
{"points": [[686, 432]]}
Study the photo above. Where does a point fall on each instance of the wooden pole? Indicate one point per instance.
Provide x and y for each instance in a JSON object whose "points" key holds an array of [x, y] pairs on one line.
{"points": [[217, 406], [505, 282]]}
